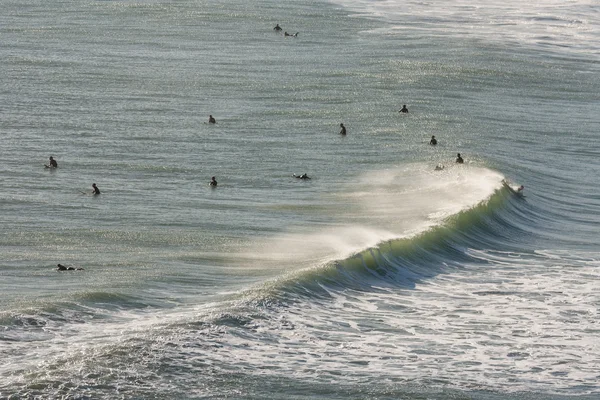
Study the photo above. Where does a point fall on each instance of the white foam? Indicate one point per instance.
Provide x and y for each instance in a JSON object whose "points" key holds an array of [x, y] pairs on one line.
{"points": [[378, 206], [564, 26]]}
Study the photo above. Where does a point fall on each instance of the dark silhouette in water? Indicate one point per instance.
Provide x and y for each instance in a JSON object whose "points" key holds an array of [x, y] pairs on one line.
{"points": [[52, 164], [60, 267], [343, 130], [213, 182], [459, 159], [403, 109], [433, 141], [303, 176]]}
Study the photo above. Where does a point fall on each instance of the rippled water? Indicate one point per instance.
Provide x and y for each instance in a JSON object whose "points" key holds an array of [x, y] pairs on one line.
{"points": [[377, 278]]}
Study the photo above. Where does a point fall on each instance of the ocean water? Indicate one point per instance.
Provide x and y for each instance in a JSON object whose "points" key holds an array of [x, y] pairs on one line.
{"points": [[378, 278]]}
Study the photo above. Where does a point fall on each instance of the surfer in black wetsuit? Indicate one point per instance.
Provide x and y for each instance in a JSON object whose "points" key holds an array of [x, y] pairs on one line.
{"points": [[277, 28], [303, 176], [343, 130], [52, 164], [61, 267], [95, 190], [213, 182], [211, 120], [403, 109], [289, 34], [459, 159], [433, 141]]}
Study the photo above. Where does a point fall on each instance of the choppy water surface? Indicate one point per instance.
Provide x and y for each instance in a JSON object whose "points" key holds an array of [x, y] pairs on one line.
{"points": [[377, 278]]}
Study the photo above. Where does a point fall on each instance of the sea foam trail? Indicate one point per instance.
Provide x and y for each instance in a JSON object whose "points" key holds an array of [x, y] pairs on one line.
{"points": [[554, 24]]}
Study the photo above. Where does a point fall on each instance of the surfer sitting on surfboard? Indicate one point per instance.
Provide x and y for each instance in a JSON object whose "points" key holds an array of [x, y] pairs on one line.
{"points": [[52, 164], [213, 182], [95, 190], [211, 120], [459, 159]]}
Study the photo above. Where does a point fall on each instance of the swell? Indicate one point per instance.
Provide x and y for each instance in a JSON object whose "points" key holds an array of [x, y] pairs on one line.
{"points": [[498, 223]]}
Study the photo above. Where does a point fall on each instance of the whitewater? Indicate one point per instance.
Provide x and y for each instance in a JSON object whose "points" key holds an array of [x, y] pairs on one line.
{"points": [[380, 277]]}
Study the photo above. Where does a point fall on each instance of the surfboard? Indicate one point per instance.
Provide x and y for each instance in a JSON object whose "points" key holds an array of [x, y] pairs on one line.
{"points": [[512, 190]]}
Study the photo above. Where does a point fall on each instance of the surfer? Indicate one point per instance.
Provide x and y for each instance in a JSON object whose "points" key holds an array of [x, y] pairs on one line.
{"points": [[52, 163], [95, 190], [433, 141], [343, 131], [211, 120], [459, 159], [289, 34], [213, 182], [60, 267], [439, 167], [403, 109], [303, 176], [277, 28], [520, 189]]}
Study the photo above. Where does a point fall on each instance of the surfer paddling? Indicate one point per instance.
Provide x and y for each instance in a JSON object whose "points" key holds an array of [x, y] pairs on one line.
{"points": [[290, 34], [60, 267], [52, 163], [303, 176]]}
